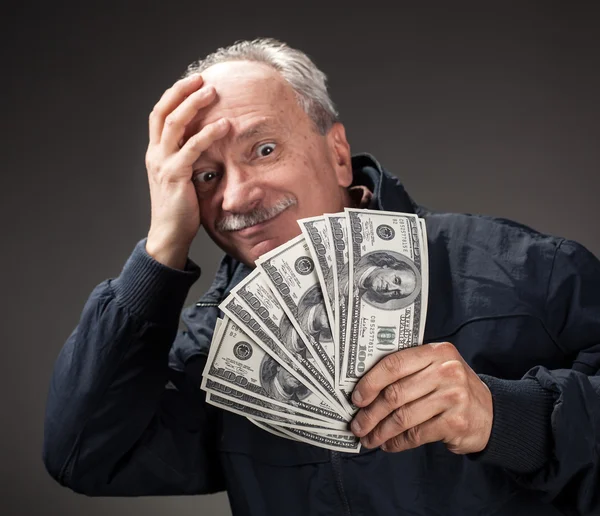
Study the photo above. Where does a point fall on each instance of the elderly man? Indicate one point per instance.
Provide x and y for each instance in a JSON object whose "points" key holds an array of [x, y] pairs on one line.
{"points": [[498, 412]]}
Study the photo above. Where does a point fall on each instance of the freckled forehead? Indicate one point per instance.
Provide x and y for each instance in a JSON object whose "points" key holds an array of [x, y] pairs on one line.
{"points": [[247, 89]]}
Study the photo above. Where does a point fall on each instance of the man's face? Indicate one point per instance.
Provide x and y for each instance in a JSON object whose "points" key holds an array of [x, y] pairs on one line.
{"points": [[271, 169], [392, 283]]}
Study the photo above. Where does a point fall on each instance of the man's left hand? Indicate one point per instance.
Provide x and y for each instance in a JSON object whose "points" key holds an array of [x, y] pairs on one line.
{"points": [[421, 395]]}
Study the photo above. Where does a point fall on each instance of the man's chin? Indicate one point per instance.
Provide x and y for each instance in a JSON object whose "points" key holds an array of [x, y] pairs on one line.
{"points": [[248, 254], [248, 250], [263, 247]]}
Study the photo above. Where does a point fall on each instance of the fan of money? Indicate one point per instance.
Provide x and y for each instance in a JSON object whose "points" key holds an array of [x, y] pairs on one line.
{"points": [[314, 315]]}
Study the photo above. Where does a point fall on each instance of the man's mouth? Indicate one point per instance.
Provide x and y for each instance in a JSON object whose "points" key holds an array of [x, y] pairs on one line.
{"points": [[255, 228], [247, 223]]}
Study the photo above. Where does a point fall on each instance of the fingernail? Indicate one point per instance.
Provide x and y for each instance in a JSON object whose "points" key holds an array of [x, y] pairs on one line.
{"points": [[356, 397], [384, 447], [355, 427], [365, 442]]}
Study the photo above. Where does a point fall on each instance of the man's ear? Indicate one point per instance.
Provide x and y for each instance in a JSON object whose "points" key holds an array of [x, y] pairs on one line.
{"points": [[340, 152]]}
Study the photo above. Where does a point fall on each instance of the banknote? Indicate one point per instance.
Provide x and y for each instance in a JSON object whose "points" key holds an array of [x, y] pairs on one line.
{"points": [[317, 237], [264, 313], [293, 279], [388, 284], [239, 361], [269, 407], [246, 410], [336, 226]]}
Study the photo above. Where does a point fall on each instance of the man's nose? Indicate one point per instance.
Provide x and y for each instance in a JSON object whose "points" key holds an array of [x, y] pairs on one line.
{"points": [[242, 190]]}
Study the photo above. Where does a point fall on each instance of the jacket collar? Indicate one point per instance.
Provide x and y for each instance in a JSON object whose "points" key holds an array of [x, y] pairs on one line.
{"points": [[388, 192]]}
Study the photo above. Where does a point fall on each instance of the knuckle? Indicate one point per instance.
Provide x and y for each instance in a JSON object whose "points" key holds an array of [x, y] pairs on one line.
{"points": [[413, 436], [446, 348], [368, 385], [150, 162], [158, 110], [376, 434], [396, 443], [458, 396], [366, 417], [458, 423], [392, 395], [454, 370], [170, 121], [399, 418], [392, 363]]}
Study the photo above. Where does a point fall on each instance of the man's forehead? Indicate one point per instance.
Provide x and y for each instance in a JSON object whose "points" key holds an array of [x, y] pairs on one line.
{"points": [[241, 134], [246, 79], [262, 127], [247, 91]]}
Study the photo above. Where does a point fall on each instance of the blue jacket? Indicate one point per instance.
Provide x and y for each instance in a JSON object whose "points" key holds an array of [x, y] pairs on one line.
{"points": [[125, 415]]}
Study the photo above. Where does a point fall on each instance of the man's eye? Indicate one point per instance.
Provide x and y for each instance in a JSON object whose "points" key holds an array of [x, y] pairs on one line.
{"points": [[204, 177], [265, 149]]}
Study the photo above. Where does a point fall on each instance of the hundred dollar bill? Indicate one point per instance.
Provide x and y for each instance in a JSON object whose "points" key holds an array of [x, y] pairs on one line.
{"points": [[388, 285], [261, 312], [245, 410], [336, 226], [315, 231], [290, 271], [237, 360]]}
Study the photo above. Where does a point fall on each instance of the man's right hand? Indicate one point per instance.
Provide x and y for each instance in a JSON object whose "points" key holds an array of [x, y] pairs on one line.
{"points": [[175, 212]]}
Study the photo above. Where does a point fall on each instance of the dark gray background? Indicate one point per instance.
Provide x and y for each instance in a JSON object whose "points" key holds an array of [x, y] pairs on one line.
{"points": [[486, 110]]}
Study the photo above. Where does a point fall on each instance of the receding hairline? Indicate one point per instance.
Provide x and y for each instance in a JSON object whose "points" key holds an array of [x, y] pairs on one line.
{"points": [[296, 68]]}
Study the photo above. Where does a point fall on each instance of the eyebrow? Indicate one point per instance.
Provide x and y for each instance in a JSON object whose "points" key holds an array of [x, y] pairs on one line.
{"points": [[256, 130]]}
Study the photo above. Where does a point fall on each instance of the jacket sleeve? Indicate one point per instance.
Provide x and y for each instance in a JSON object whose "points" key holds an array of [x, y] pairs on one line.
{"points": [[546, 430], [112, 426]]}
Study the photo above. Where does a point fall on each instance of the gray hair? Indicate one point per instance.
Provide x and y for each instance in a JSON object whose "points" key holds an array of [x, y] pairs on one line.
{"points": [[307, 81]]}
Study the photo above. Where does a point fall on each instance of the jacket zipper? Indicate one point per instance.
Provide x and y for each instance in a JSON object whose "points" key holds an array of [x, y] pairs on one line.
{"points": [[336, 464]]}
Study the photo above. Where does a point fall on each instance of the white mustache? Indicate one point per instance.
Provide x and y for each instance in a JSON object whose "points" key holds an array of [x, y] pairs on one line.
{"points": [[239, 221]]}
